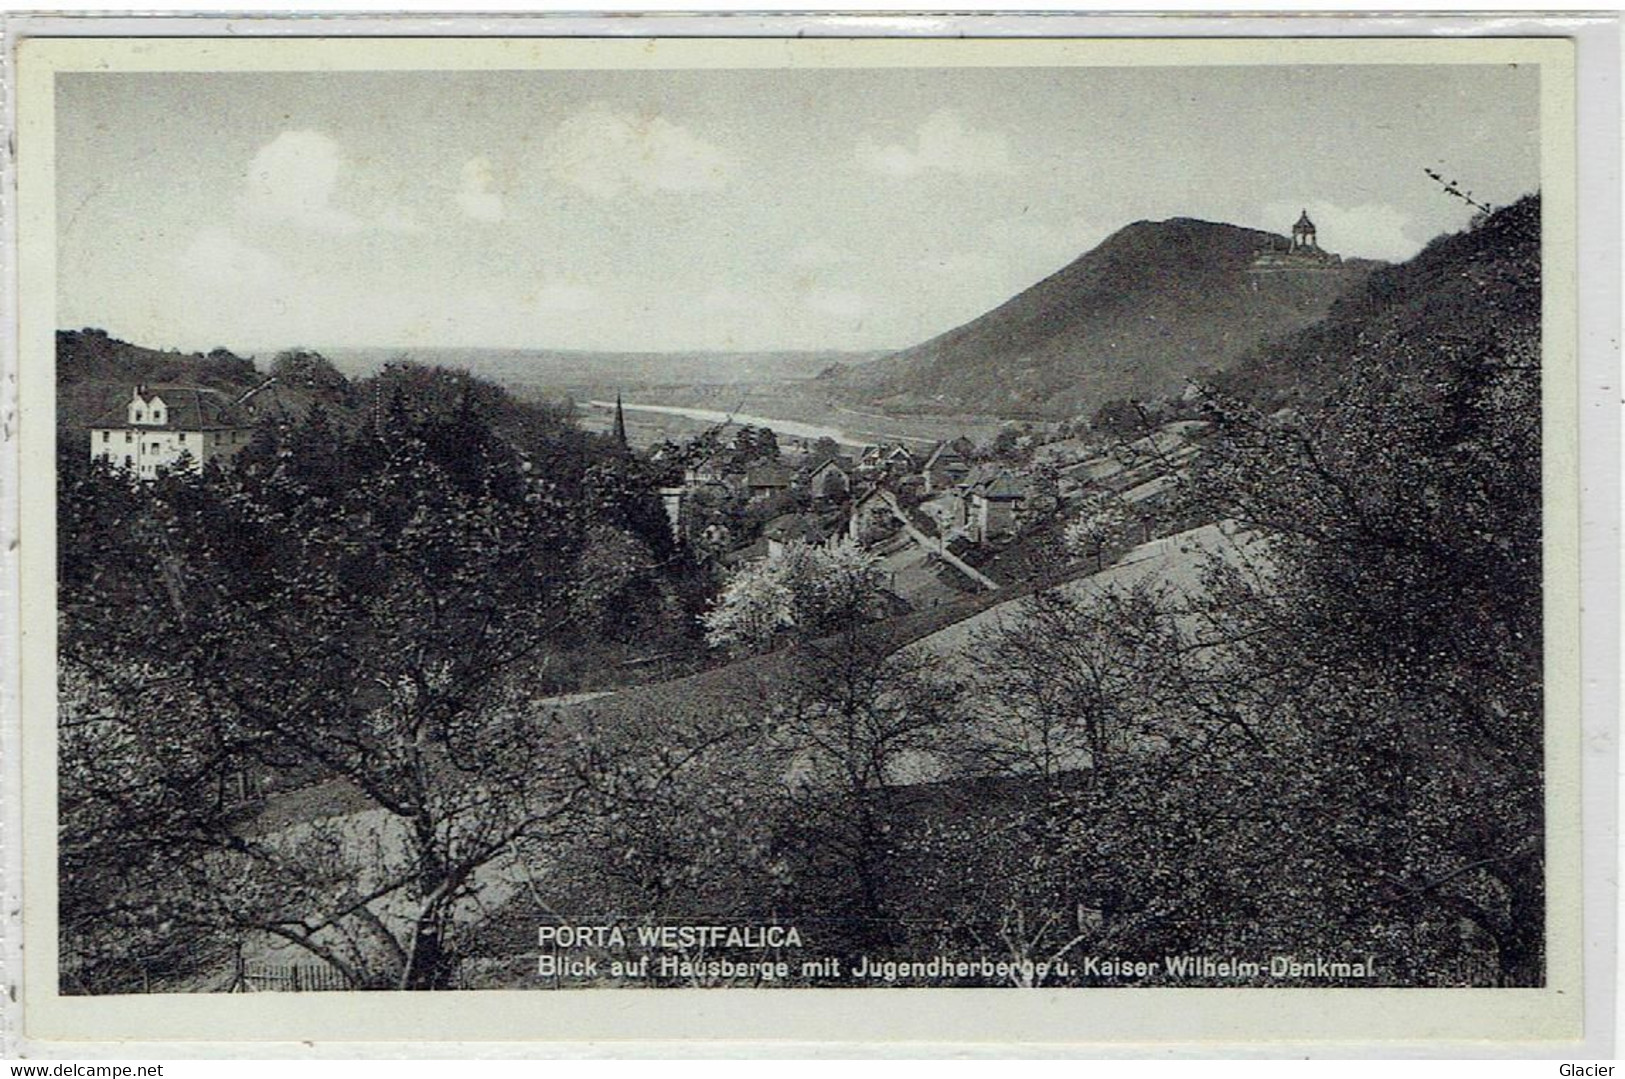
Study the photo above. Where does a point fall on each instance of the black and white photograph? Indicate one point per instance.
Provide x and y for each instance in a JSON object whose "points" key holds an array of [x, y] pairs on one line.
{"points": [[550, 527]]}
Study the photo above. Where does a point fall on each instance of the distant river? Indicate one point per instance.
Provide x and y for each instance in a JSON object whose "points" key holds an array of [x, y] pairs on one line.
{"points": [[790, 428]]}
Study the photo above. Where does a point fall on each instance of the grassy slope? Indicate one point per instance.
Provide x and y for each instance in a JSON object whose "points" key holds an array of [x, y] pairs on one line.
{"points": [[746, 686]]}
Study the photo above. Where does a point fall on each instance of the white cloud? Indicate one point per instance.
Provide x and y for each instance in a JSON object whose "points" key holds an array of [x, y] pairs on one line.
{"points": [[477, 196], [1369, 230], [561, 294], [292, 179], [841, 303], [944, 144], [607, 152]]}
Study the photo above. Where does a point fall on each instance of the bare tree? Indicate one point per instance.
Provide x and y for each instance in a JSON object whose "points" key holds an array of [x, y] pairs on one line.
{"points": [[856, 724]]}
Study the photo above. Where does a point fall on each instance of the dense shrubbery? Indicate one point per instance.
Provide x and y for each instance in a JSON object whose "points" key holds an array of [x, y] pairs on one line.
{"points": [[350, 605]]}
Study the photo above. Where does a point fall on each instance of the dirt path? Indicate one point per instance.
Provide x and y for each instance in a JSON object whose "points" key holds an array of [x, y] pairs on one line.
{"points": [[939, 549]]}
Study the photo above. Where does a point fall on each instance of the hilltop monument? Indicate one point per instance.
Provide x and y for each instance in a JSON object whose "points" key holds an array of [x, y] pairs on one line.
{"points": [[1303, 234], [1302, 254]]}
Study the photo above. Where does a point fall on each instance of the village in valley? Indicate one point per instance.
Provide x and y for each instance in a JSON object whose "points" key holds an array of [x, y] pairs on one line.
{"points": [[931, 514]]}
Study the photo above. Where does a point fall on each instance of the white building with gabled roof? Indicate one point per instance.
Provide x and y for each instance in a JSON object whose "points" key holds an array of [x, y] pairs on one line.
{"points": [[167, 426]]}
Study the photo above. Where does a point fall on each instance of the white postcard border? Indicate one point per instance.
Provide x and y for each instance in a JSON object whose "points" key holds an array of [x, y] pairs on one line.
{"points": [[1120, 1016]]}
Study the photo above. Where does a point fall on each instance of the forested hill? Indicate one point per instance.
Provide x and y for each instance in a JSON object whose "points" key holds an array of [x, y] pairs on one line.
{"points": [[92, 356], [96, 372], [1154, 304], [1463, 292]]}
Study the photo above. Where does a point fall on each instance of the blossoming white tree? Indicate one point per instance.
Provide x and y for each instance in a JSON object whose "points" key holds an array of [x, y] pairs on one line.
{"points": [[807, 590]]}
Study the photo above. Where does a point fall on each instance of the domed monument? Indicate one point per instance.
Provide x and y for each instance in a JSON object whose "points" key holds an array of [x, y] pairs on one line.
{"points": [[1303, 253]]}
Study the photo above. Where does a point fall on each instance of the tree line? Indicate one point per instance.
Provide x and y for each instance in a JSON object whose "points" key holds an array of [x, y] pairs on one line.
{"points": [[371, 606]]}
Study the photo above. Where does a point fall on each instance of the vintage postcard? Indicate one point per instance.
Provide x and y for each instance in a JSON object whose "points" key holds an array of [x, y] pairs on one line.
{"points": [[1031, 541]]}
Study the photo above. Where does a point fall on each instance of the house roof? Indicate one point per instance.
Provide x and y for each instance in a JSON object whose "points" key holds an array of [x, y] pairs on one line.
{"points": [[977, 474], [947, 454], [842, 463], [1096, 468], [1151, 488], [718, 464], [875, 493], [186, 408], [768, 476], [795, 526], [1001, 487]]}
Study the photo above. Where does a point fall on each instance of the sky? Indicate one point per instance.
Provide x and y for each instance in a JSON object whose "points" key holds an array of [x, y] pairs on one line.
{"points": [[740, 210]]}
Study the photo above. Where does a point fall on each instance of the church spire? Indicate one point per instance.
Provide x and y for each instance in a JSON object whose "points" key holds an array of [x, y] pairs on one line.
{"points": [[620, 420]]}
